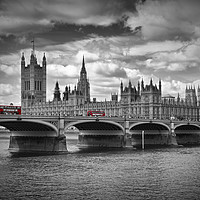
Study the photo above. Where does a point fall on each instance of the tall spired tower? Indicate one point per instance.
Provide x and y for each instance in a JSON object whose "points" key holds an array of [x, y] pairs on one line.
{"points": [[83, 84], [33, 81]]}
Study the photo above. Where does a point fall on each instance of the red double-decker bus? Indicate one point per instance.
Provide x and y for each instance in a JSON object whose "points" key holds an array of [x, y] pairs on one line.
{"points": [[96, 113], [10, 110]]}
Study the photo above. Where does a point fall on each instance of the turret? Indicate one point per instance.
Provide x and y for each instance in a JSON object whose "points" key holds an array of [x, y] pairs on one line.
{"points": [[23, 60], [57, 86], [178, 99], [65, 94], [151, 84], [121, 87], [138, 88], [57, 92], [142, 85], [44, 61], [32, 59], [160, 86], [129, 86], [151, 81], [22, 65]]}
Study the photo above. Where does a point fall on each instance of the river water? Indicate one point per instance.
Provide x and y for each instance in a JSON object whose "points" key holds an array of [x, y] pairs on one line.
{"points": [[169, 173]]}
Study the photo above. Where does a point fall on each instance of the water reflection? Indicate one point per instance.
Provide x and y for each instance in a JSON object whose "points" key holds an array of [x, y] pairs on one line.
{"points": [[169, 173]]}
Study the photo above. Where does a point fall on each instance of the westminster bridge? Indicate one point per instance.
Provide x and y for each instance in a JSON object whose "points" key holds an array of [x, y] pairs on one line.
{"points": [[48, 134]]}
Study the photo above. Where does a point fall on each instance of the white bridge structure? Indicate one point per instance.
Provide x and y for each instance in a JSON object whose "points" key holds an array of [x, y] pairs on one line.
{"points": [[47, 134]]}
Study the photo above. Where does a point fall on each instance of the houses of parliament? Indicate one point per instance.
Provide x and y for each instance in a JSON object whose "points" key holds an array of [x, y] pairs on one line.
{"points": [[141, 101]]}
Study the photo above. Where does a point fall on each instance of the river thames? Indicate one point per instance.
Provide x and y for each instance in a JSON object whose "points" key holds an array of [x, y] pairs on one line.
{"points": [[168, 173]]}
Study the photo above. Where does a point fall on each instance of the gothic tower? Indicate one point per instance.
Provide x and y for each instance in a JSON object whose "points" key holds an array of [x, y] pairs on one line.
{"points": [[83, 85], [33, 81]]}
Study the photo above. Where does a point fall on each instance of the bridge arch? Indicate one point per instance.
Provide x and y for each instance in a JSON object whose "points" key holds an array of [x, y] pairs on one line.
{"points": [[25, 125], [155, 134], [149, 126], [96, 125], [96, 133], [187, 134], [187, 127], [33, 135]]}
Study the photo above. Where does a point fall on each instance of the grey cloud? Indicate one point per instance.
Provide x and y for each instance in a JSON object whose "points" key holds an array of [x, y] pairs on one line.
{"points": [[170, 19]]}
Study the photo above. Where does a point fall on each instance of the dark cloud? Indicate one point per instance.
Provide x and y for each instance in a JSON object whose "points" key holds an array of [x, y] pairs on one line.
{"points": [[57, 22], [22, 16]]}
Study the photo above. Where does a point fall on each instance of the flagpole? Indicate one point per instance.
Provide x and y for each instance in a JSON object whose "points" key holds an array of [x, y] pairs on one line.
{"points": [[33, 46]]}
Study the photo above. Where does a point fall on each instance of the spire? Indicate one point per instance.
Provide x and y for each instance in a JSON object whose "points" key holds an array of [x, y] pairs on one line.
{"points": [[160, 85], [44, 58], [57, 86], [138, 87], [23, 58], [83, 70], [142, 85], [130, 85], [121, 86], [159, 81], [44, 61], [178, 98], [151, 82]]}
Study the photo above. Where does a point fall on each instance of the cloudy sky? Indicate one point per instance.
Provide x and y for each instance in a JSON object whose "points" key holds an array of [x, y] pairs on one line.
{"points": [[121, 40]]}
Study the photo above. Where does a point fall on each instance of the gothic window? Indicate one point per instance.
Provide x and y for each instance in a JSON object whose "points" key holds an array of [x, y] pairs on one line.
{"points": [[37, 85], [146, 99]]}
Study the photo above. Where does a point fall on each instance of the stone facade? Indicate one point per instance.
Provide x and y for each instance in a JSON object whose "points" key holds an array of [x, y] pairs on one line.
{"points": [[143, 101]]}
